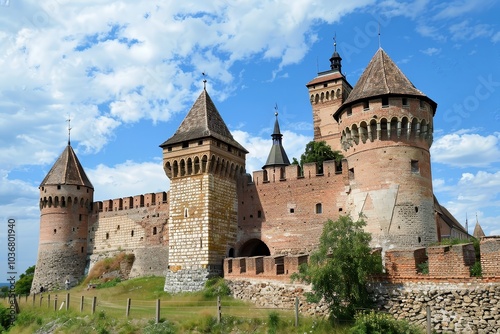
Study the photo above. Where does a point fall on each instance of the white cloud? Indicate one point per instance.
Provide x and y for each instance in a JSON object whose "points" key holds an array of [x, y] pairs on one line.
{"points": [[459, 8], [431, 51], [496, 37], [466, 149], [127, 179]]}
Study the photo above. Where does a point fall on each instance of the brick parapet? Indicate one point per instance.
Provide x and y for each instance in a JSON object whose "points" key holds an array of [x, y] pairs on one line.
{"points": [[490, 256]]}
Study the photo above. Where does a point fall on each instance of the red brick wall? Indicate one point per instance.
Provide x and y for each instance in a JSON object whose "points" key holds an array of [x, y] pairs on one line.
{"points": [[451, 261], [490, 256]]}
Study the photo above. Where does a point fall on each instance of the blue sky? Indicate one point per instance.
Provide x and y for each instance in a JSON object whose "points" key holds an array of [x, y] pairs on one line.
{"points": [[126, 73]]}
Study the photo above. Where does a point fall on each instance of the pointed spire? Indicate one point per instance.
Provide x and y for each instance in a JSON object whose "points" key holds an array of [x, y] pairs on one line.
{"points": [[335, 60], [67, 170], [277, 156], [69, 129], [478, 230], [382, 77], [203, 120]]}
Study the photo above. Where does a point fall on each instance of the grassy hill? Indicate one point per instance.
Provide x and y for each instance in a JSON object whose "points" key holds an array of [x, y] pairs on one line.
{"points": [[180, 313]]}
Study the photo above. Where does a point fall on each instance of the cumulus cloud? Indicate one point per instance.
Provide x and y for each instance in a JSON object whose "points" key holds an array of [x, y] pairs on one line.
{"points": [[127, 179], [466, 149], [431, 51]]}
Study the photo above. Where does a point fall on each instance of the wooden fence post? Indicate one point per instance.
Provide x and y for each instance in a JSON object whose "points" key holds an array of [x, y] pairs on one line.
{"points": [[55, 303], [127, 311], [94, 301], [67, 301], [158, 310], [218, 309], [81, 304], [48, 301], [41, 299], [296, 311]]}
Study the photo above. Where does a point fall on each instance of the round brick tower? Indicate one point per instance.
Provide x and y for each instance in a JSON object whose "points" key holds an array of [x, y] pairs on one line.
{"points": [[66, 197], [386, 132]]}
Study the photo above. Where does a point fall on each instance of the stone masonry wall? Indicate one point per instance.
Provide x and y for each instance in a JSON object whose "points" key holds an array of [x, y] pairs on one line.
{"points": [[455, 307]]}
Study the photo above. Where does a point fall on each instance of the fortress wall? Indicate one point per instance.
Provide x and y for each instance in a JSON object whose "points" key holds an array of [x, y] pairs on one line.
{"points": [[288, 215], [490, 256], [130, 227], [454, 261]]}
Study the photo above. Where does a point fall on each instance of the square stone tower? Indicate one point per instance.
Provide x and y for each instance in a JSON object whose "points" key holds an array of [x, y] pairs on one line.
{"points": [[203, 163]]}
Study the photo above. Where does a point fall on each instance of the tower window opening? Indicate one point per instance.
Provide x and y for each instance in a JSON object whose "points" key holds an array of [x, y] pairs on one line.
{"points": [[185, 144], [325, 85], [259, 214], [169, 149], [186, 213], [77, 187], [414, 167], [319, 208], [351, 173], [80, 217], [366, 105], [292, 210], [349, 112], [405, 101], [154, 230], [385, 102], [107, 235], [55, 231], [82, 249], [58, 187], [73, 229], [132, 233], [422, 104], [200, 142]]}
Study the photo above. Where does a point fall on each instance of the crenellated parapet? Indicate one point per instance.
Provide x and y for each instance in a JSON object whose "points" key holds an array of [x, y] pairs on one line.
{"points": [[132, 202], [294, 172]]}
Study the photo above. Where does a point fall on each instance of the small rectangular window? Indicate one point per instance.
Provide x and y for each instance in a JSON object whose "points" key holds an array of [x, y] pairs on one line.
{"points": [[292, 210], [414, 167], [366, 105], [385, 101], [259, 214], [351, 173], [349, 112], [422, 104], [185, 144], [405, 102]]}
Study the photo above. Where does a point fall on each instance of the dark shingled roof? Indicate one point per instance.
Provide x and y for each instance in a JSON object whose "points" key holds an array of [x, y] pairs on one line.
{"points": [[67, 170], [382, 77], [447, 217], [277, 156], [203, 120]]}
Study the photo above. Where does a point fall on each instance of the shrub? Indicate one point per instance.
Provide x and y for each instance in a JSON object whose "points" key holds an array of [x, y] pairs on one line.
{"points": [[274, 321], [216, 286], [380, 323]]}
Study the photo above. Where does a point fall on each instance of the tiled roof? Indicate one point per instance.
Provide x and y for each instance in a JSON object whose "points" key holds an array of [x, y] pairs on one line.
{"points": [[326, 76], [382, 77], [203, 120], [67, 170]]}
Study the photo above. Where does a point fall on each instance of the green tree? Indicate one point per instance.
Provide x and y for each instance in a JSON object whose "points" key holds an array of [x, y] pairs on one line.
{"points": [[318, 152], [339, 269], [23, 284]]}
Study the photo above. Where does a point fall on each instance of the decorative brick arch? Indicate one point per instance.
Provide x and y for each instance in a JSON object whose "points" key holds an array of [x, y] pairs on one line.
{"points": [[254, 247]]}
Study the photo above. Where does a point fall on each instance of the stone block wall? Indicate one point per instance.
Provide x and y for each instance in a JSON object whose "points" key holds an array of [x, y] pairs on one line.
{"points": [[451, 261], [490, 256]]}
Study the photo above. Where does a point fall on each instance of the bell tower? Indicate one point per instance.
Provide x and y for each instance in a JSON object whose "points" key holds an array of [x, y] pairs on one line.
{"points": [[327, 91], [203, 162]]}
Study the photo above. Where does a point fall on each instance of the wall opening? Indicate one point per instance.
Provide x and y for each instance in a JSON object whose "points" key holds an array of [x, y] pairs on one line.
{"points": [[254, 247], [319, 208]]}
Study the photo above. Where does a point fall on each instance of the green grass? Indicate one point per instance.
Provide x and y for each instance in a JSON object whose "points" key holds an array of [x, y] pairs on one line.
{"points": [[180, 313]]}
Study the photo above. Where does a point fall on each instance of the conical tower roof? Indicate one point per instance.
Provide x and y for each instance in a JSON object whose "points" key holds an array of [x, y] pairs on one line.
{"points": [[203, 120], [478, 231], [277, 156], [382, 77], [67, 170]]}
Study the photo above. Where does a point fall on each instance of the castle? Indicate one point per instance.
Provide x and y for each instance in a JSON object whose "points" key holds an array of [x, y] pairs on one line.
{"points": [[214, 210]]}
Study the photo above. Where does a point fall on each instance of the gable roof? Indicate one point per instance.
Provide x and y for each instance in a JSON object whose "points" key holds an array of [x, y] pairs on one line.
{"points": [[203, 120], [380, 78], [67, 170]]}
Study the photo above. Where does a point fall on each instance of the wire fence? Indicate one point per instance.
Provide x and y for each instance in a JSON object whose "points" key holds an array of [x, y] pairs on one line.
{"points": [[155, 309]]}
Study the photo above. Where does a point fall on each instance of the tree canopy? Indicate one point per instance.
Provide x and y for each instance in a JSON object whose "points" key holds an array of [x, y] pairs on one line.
{"points": [[339, 269], [23, 284], [318, 152]]}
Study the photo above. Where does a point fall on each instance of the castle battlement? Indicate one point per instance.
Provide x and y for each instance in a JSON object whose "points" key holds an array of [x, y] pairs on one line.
{"points": [[131, 202], [293, 172]]}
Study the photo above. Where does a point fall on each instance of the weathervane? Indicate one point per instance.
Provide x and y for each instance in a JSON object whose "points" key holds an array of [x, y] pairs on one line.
{"points": [[69, 129], [379, 43], [204, 80], [335, 42], [276, 110]]}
